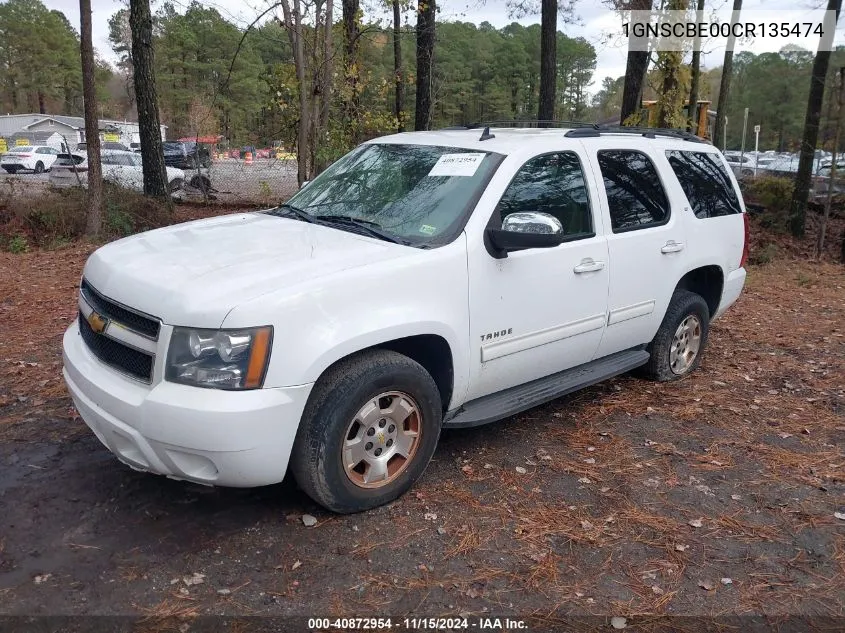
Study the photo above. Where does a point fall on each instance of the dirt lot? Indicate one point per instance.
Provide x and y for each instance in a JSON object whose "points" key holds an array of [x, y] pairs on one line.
{"points": [[715, 496]]}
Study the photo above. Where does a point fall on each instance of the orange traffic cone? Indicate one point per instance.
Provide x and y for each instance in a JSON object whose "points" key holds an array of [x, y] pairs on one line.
{"points": [[248, 158]]}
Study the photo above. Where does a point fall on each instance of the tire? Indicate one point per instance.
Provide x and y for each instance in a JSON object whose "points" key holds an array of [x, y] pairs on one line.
{"points": [[333, 416], [175, 185], [685, 307], [202, 183], [39, 168]]}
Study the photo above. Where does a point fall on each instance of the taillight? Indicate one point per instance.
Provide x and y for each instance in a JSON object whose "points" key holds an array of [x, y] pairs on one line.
{"points": [[22, 155], [746, 245]]}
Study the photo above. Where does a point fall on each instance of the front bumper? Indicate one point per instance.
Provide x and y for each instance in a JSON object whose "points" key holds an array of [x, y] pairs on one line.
{"points": [[208, 436]]}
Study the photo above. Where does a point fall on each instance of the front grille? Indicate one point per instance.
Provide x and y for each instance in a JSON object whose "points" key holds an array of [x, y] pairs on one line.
{"points": [[125, 359], [146, 325]]}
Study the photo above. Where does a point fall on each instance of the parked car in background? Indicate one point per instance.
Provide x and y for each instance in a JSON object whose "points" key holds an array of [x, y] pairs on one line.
{"points": [[82, 147], [134, 147], [742, 165], [120, 167], [34, 158], [186, 155]]}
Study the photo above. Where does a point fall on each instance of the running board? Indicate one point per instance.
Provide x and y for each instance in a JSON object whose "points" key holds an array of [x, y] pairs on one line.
{"points": [[517, 399]]}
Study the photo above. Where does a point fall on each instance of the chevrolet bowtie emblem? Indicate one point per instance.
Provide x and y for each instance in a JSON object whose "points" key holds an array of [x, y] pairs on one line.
{"points": [[98, 323]]}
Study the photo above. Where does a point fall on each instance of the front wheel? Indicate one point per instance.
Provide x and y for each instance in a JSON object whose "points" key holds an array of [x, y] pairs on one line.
{"points": [[368, 432], [679, 343]]}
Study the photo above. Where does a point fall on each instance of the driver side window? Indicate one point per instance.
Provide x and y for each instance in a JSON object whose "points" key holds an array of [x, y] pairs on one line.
{"points": [[553, 184]]}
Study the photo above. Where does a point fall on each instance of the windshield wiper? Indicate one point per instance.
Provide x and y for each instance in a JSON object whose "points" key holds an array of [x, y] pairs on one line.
{"points": [[290, 210], [373, 229]]}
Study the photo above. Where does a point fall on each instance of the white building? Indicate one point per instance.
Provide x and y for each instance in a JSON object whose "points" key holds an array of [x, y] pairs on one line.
{"points": [[52, 129]]}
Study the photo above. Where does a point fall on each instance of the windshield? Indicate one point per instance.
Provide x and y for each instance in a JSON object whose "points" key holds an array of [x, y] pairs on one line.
{"points": [[418, 193]]}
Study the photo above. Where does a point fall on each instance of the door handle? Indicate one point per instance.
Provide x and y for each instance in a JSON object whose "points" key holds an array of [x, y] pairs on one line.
{"points": [[588, 265], [672, 247]]}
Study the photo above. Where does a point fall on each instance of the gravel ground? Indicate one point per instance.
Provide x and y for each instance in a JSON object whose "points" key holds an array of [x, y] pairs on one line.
{"points": [[720, 495]]}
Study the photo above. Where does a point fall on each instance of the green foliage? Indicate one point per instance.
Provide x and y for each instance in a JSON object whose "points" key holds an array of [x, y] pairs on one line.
{"points": [[764, 255], [774, 86], [197, 92], [481, 73], [57, 216], [484, 74], [774, 195], [18, 244], [40, 68]]}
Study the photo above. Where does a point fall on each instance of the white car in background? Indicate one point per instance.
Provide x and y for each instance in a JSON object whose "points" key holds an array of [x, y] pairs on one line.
{"points": [[741, 164], [120, 167], [35, 158]]}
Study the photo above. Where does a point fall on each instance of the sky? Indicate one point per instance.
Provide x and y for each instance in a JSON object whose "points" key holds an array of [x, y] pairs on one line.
{"points": [[593, 21]]}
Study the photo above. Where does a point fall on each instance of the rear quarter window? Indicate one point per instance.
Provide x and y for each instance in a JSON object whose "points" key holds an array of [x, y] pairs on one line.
{"points": [[705, 182]]}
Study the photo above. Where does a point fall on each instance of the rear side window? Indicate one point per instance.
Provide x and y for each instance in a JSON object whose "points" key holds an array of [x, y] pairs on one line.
{"points": [[553, 184], [705, 182], [635, 195]]}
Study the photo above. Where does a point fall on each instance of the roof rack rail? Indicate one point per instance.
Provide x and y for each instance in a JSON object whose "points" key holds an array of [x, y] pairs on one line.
{"points": [[529, 123], [648, 132]]}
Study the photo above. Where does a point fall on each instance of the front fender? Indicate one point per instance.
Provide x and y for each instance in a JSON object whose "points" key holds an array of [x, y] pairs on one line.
{"points": [[319, 322]]}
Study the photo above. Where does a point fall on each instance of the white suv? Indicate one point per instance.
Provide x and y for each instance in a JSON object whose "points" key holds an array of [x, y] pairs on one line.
{"points": [[426, 280]]}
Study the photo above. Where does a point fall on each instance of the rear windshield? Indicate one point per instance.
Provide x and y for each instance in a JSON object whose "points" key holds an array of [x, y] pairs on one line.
{"points": [[22, 148], [416, 192], [705, 182], [68, 160]]}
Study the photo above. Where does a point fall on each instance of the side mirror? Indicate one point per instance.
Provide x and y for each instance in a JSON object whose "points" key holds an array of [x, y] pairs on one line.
{"points": [[526, 230]]}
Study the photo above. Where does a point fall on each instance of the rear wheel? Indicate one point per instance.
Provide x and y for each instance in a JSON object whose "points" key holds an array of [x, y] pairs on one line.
{"points": [[176, 184], [368, 432], [202, 183], [679, 343], [39, 167]]}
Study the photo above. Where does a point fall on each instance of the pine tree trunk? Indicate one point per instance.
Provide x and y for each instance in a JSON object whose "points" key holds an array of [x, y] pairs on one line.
{"points": [[636, 66], [397, 66], [548, 60], [146, 98], [293, 24], [351, 69], [695, 66], [94, 197], [798, 206], [725, 83], [425, 62]]}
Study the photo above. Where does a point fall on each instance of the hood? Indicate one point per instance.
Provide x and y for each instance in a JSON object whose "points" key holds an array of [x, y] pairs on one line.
{"points": [[193, 274]]}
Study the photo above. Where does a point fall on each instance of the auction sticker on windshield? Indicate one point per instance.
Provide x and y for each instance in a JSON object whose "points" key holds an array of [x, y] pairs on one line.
{"points": [[457, 164]]}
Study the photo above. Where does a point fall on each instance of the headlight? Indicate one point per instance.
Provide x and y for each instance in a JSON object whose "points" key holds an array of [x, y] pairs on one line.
{"points": [[220, 359]]}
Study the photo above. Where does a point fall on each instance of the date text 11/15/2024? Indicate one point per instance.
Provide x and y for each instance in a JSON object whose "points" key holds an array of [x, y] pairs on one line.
{"points": [[417, 624]]}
